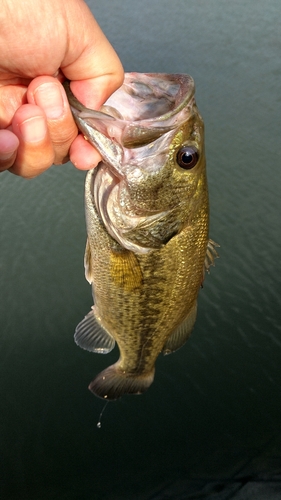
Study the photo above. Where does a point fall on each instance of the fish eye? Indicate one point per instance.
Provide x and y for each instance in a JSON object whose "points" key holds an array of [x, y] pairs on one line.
{"points": [[187, 157]]}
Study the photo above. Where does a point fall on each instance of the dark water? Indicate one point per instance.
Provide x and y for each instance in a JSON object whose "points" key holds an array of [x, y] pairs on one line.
{"points": [[210, 425]]}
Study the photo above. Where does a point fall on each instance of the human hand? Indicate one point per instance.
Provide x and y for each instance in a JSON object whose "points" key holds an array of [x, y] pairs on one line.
{"points": [[41, 44]]}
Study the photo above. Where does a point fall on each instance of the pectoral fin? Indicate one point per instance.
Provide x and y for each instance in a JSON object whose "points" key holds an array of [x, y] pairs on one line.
{"points": [[125, 269], [90, 335], [182, 333]]}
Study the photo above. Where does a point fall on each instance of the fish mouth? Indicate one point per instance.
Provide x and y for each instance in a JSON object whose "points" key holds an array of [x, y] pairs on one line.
{"points": [[145, 108], [149, 105], [151, 97]]}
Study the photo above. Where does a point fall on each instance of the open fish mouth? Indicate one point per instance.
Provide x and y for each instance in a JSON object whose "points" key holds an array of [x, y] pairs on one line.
{"points": [[144, 108]]}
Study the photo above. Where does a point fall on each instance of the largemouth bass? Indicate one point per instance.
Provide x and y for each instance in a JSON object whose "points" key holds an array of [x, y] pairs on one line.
{"points": [[147, 221]]}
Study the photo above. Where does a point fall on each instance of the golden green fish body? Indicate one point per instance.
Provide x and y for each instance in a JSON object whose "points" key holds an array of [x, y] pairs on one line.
{"points": [[147, 222]]}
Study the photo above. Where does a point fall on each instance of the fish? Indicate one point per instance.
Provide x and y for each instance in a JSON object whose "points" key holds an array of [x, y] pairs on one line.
{"points": [[147, 217]]}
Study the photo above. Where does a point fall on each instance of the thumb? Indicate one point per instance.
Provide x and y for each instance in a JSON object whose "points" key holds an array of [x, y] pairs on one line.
{"points": [[90, 63]]}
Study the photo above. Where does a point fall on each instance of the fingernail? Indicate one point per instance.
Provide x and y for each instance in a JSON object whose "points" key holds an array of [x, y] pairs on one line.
{"points": [[49, 97], [33, 129]]}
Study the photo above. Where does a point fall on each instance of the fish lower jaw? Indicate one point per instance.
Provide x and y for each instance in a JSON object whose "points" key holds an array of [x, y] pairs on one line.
{"points": [[112, 383]]}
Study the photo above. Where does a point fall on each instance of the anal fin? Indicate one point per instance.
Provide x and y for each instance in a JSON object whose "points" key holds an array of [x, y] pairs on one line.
{"points": [[178, 338], [90, 335]]}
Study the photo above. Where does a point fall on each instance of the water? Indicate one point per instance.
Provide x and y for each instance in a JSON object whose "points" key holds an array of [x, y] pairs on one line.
{"points": [[210, 423]]}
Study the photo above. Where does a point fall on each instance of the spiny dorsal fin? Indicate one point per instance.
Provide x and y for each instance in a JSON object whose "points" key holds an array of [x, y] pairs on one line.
{"points": [[90, 335]]}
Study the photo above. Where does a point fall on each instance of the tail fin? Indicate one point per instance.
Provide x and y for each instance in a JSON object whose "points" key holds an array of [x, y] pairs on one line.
{"points": [[112, 383]]}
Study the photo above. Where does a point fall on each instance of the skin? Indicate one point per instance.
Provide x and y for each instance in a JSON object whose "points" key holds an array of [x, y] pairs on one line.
{"points": [[42, 43]]}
